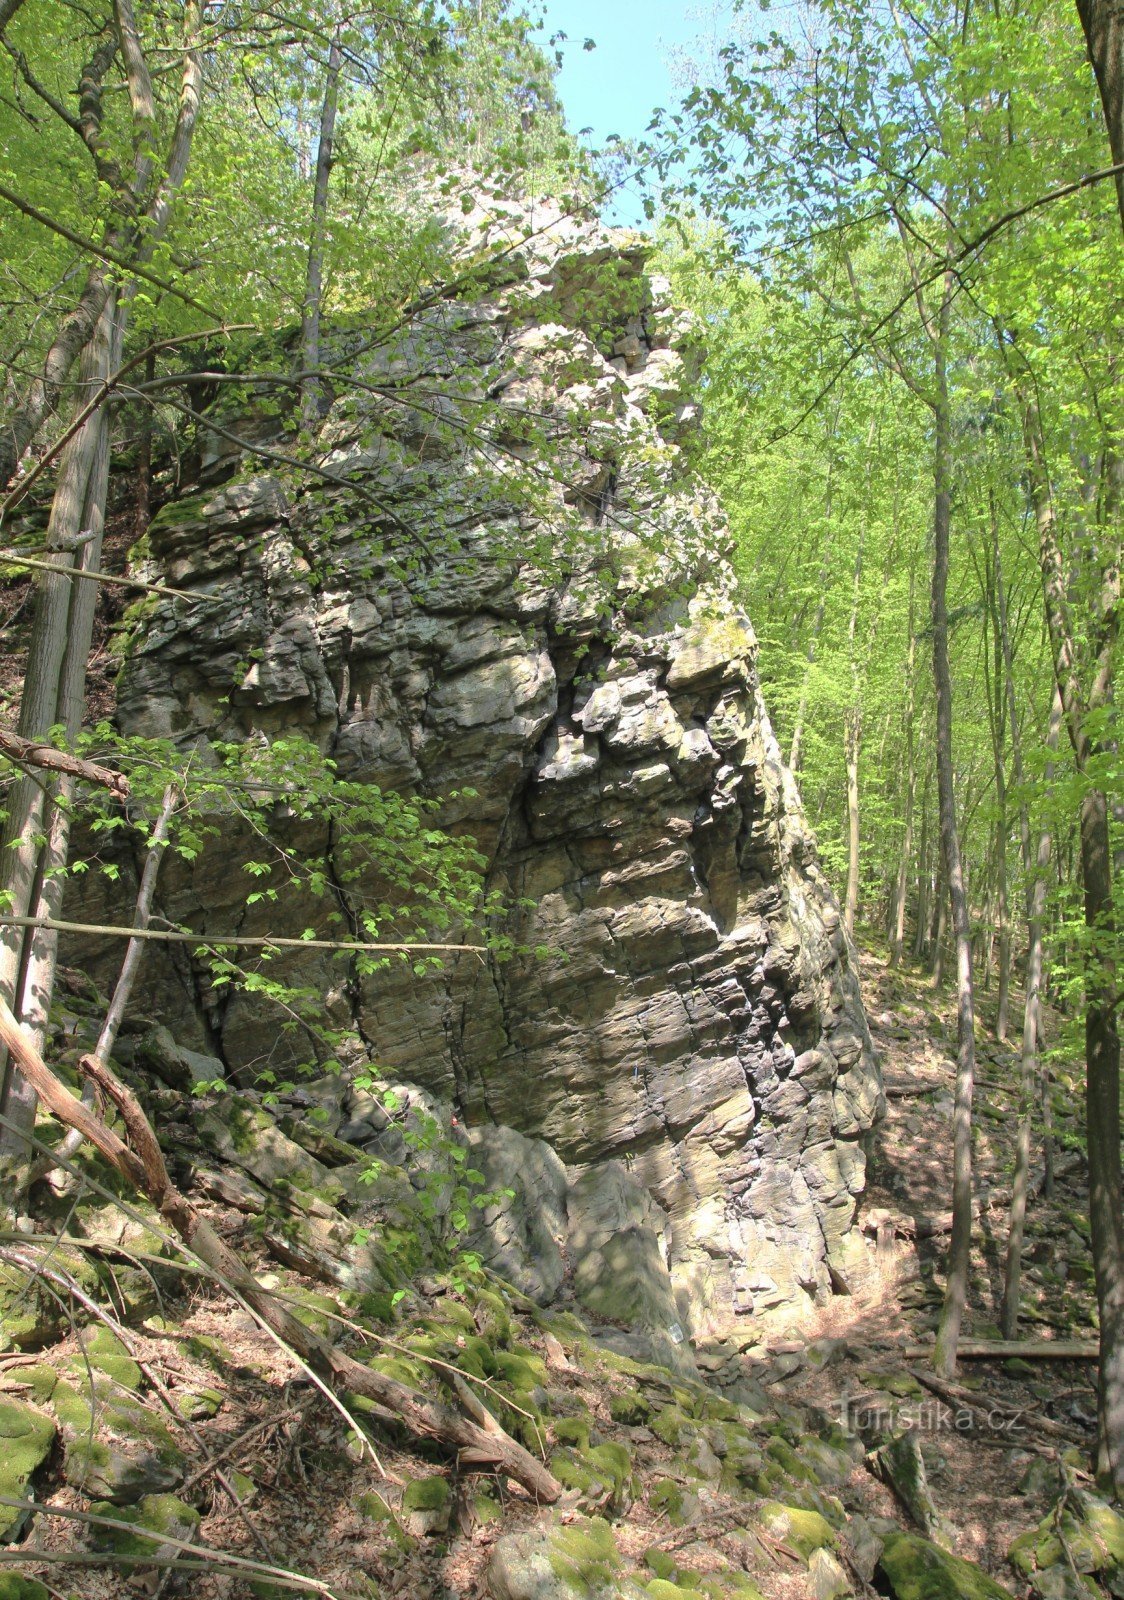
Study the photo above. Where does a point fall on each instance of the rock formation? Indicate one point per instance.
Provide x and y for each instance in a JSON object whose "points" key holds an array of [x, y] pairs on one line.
{"points": [[692, 1046]]}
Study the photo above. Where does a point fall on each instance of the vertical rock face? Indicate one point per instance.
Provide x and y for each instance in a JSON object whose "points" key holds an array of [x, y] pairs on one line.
{"points": [[696, 1017]]}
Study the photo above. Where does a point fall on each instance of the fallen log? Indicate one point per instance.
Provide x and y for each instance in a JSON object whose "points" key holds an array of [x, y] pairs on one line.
{"points": [[956, 1395], [141, 1161], [1004, 1349]]}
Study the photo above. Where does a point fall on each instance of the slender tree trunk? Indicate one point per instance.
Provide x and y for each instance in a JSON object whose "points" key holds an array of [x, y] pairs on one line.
{"points": [[851, 739], [956, 1290], [938, 933], [897, 905], [314, 277], [921, 934], [1103, 23], [33, 846], [796, 748], [1028, 1082]]}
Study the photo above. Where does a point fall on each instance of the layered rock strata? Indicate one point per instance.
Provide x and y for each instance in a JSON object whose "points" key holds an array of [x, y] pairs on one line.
{"points": [[567, 647]]}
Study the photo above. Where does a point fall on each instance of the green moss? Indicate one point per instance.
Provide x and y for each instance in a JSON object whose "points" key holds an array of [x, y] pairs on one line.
{"points": [[448, 1312], [584, 1554], [41, 1380], [918, 1570], [210, 1351], [800, 1529], [659, 1562], [790, 1461], [197, 1404], [27, 1437], [400, 1368], [14, 1587], [29, 1319], [573, 1430], [522, 1370], [151, 1522], [319, 1312], [486, 1506], [426, 1494], [629, 1407], [105, 1353], [1093, 1535], [672, 1426], [493, 1319], [376, 1508], [670, 1499], [611, 1461], [664, 1589]]}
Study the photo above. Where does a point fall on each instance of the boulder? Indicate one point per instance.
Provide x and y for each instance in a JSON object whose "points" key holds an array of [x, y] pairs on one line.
{"points": [[578, 1560], [519, 1233], [27, 1437]]}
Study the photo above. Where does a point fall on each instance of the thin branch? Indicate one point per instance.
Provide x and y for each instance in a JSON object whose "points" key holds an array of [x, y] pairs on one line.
{"points": [[100, 395], [13, 558], [131, 268], [213, 941]]}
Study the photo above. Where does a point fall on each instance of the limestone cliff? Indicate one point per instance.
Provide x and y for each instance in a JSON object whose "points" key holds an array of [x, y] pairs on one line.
{"points": [[567, 646]]}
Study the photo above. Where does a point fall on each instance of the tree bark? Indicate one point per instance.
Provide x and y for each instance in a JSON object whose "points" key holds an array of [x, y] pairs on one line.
{"points": [[314, 276], [1103, 24], [897, 910], [956, 1290], [1028, 1082]]}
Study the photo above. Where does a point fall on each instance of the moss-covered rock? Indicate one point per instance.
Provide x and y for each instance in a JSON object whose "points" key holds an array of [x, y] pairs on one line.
{"points": [[427, 1505], [630, 1407], [1083, 1530], [105, 1353], [673, 1426], [29, 1318], [664, 1589], [601, 1474], [153, 1524], [521, 1370], [671, 1500], [802, 1530], [555, 1561], [15, 1587], [916, 1569], [573, 1431], [195, 1405], [116, 1449], [27, 1437]]}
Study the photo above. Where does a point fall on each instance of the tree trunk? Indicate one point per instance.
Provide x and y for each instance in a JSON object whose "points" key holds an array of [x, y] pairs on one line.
{"points": [[1103, 23], [1036, 898], [314, 277], [897, 906], [33, 847], [921, 934], [1102, 1041], [956, 1290]]}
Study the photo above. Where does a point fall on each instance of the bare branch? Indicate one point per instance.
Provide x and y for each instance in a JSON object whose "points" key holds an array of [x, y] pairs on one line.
{"points": [[33, 753]]}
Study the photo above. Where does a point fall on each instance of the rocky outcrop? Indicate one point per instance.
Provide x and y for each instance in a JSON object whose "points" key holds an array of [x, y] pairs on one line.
{"points": [[503, 583]]}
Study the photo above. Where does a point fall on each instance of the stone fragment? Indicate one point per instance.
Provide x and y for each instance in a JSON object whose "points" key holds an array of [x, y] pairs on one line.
{"points": [[27, 1437]]}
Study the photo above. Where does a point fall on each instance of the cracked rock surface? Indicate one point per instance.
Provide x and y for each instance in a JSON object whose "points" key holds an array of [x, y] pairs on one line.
{"points": [[696, 1020]]}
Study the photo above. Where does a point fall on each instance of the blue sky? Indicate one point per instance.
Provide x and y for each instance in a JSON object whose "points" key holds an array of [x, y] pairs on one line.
{"points": [[614, 88]]}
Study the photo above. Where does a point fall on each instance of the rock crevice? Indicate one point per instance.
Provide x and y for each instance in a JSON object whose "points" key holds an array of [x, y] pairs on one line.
{"points": [[573, 655]]}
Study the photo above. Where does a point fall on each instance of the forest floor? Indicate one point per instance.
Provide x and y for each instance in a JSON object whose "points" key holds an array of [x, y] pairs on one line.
{"points": [[309, 1500], [977, 1473]]}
